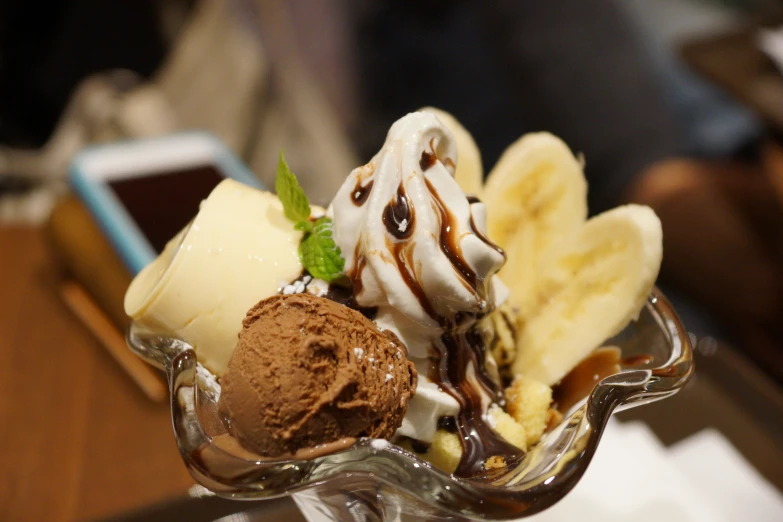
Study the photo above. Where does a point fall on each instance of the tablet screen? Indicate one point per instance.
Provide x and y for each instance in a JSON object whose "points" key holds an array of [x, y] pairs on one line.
{"points": [[162, 203]]}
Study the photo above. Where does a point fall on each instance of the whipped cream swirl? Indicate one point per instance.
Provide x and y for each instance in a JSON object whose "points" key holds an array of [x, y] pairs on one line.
{"points": [[415, 248], [414, 245]]}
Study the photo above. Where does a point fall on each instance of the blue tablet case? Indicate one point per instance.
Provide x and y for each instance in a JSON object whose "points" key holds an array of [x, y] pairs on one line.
{"points": [[115, 222]]}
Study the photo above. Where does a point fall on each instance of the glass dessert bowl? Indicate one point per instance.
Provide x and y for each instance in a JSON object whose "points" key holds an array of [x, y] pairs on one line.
{"points": [[369, 479]]}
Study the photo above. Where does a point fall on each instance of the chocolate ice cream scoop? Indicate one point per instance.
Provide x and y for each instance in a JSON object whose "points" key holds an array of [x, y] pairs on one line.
{"points": [[309, 371]]}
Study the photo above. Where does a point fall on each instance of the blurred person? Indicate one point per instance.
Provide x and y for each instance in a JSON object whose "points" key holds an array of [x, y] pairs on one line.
{"points": [[576, 68]]}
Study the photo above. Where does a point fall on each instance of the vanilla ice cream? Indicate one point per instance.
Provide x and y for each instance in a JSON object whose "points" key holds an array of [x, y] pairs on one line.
{"points": [[239, 249]]}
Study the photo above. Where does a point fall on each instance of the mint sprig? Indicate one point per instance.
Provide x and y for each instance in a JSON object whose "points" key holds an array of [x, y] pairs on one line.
{"points": [[318, 252], [295, 204]]}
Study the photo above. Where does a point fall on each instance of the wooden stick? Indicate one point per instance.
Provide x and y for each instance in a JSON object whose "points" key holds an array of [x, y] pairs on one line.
{"points": [[85, 309]]}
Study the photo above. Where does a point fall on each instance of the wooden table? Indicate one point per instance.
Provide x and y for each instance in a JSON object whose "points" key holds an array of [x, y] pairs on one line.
{"points": [[78, 440]]}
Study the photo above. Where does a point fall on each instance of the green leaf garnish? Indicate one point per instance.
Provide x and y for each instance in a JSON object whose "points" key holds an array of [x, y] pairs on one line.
{"points": [[319, 253], [304, 226], [291, 195]]}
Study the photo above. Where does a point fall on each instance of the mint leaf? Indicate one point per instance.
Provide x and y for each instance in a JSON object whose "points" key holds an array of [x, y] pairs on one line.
{"points": [[295, 204], [304, 226], [319, 253]]}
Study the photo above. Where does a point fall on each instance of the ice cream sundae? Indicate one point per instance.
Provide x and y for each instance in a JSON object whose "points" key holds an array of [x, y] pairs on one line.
{"points": [[423, 306]]}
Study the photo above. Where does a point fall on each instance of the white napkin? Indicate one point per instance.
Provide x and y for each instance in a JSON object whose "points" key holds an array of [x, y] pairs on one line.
{"points": [[771, 42], [715, 467], [633, 477]]}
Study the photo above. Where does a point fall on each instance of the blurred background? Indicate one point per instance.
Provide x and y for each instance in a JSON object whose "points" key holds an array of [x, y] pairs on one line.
{"points": [[677, 104]]}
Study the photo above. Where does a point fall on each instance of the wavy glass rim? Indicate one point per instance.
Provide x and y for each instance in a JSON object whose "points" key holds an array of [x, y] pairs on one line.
{"points": [[536, 483]]}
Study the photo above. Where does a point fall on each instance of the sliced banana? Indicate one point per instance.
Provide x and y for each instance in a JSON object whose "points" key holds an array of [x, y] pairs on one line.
{"points": [[536, 199], [612, 263], [469, 173]]}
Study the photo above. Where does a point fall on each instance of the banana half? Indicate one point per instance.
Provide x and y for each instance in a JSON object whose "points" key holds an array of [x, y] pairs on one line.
{"points": [[612, 264], [575, 282], [536, 199]]}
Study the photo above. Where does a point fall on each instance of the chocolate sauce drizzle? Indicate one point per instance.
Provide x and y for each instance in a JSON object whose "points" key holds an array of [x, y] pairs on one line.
{"points": [[398, 215], [580, 381], [428, 158], [461, 345], [345, 296], [360, 193], [400, 220], [479, 441], [358, 267], [403, 257], [450, 246], [447, 424], [478, 233]]}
